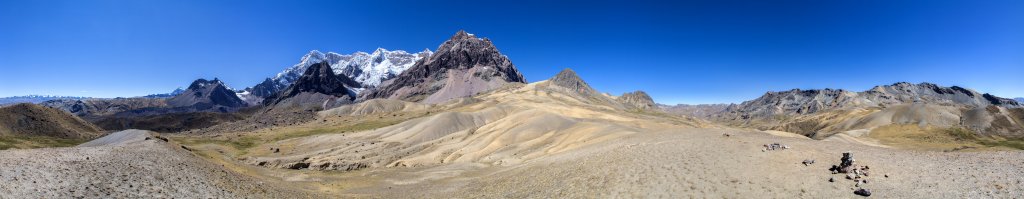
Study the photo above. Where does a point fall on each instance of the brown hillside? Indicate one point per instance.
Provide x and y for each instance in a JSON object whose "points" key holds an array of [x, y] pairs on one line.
{"points": [[33, 120]]}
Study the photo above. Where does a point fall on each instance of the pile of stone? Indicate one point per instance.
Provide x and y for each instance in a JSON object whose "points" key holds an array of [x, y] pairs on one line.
{"points": [[853, 172], [774, 146]]}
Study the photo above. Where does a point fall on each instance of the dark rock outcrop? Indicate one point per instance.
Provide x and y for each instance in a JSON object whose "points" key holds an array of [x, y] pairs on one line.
{"points": [[462, 66]]}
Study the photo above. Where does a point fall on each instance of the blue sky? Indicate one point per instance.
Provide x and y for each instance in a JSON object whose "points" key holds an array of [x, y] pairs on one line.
{"points": [[678, 51]]}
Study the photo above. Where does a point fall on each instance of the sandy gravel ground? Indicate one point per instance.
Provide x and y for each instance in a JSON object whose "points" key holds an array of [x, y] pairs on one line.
{"points": [[137, 169], [701, 163]]}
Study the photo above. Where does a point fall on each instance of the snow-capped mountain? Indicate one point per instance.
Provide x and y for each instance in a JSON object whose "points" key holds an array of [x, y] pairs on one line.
{"points": [[369, 69], [177, 91]]}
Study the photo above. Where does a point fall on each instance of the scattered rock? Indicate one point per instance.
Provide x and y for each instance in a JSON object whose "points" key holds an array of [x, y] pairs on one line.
{"points": [[808, 162], [831, 179], [298, 165], [775, 146], [862, 192]]}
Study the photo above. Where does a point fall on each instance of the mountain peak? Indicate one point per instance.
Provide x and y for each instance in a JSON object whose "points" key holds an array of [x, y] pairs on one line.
{"points": [[475, 64], [568, 79], [203, 83], [318, 78], [638, 100], [462, 34], [203, 91]]}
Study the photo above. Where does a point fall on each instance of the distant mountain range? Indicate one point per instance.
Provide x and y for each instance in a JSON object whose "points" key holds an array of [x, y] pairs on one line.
{"points": [[35, 99], [825, 112], [369, 69], [177, 91], [1019, 99]]}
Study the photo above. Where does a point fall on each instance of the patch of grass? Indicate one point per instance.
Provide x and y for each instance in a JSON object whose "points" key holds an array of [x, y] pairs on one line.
{"points": [[1017, 144], [961, 134], [247, 141], [914, 137], [240, 143], [369, 125], [29, 142]]}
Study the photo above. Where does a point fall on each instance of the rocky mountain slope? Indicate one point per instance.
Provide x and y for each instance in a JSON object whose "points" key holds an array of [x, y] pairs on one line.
{"points": [[638, 100], [568, 79], [822, 113], [462, 66], [317, 85], [203, 104], [90, 109], [368, 69], [28, 119], [695, 110], [530, 121]]}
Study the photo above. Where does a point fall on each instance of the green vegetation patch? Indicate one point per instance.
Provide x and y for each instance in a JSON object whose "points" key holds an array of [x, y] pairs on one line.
{"points": [[30, 142]]}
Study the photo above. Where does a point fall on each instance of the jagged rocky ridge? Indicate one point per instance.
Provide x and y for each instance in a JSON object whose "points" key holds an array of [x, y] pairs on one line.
{"points": [[821, 113], [798, 101], [462, 66]]}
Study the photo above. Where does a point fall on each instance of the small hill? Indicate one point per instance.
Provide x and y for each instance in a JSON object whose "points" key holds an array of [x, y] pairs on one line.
{"points": [[568, 79], [462, 66], [638, 100], [33, 120]]}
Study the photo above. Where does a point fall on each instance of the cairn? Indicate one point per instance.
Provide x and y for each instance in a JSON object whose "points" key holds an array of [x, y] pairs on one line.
{"points": [[849, 166]]}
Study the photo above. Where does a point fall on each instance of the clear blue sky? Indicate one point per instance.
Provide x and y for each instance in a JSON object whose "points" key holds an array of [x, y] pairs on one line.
{"points": [[680, 52]]}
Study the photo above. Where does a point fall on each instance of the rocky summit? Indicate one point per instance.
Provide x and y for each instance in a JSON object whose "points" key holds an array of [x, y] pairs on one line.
{"points": [[206, 93], [319, 79], [567, 78], [462, 66], [637, 100]]}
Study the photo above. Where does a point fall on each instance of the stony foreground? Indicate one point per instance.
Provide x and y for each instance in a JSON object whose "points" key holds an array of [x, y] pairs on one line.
{"points": [[702, 163], [123, 168]]}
